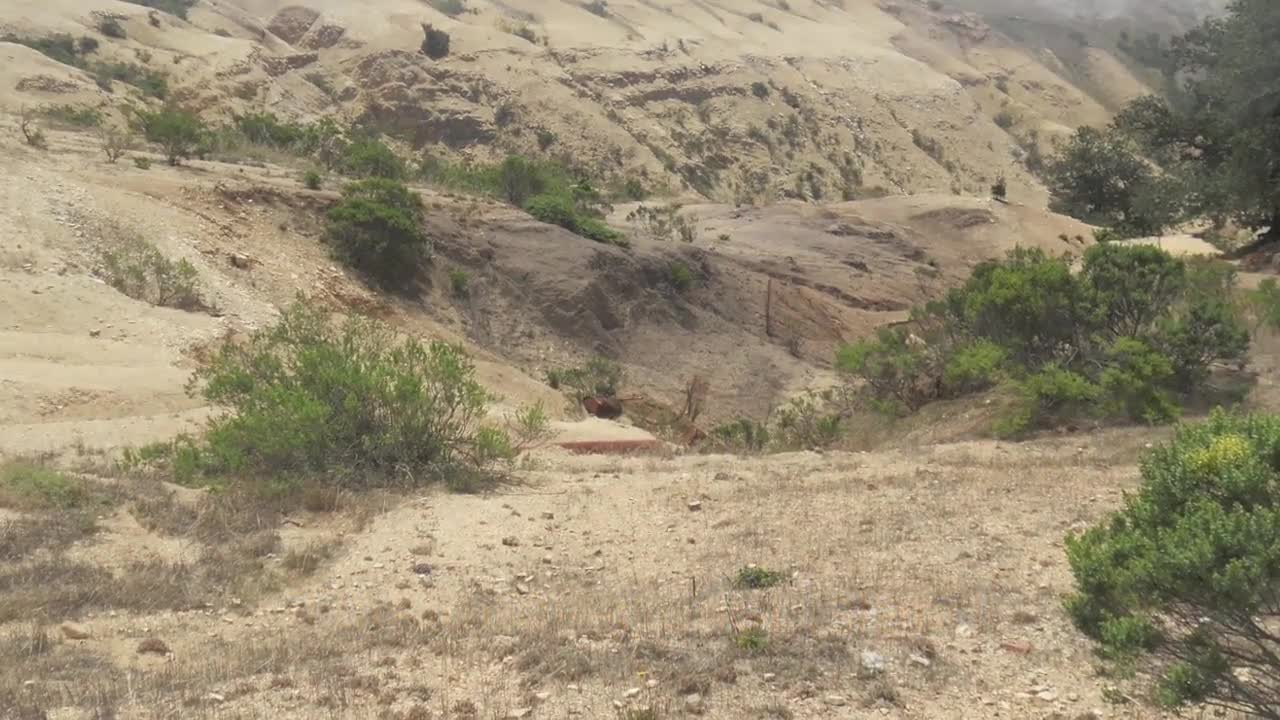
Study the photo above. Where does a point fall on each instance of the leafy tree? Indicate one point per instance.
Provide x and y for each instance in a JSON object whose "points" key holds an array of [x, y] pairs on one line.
{"points": [[375, 229], [1214, 134], [1185, 579], [176, 131], [1099, 178]]}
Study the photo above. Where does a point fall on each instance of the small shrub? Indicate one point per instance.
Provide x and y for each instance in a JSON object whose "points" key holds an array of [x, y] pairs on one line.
{"points": [[112, 28], [142, 163], [459, 283], [600, 376], [312, 180], [372, 158], [753, 577], [31, 133], [1004, 119], [554, 209], [520, 179], [681, 277], [176, 131], [760, 90], [1000, 189], [546, 139], [115, 141], [139, 270], [27, 485], [435, 43], [754, 640], [375, 229], [87, 45], [743, 435], [597, 7]]}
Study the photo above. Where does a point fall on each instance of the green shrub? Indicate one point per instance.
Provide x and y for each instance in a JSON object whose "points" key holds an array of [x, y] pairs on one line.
{"points": [[1000, 189], [139, 270], [804, 423], [1004, 119], [681, 276], [312, 179], [1136, 330], [372, 158], [1185, 578], [375, 229], [73, 116], [176, 131], [142, 163], [973, 367], [459, 283], [349, 403], [892, 367], [554, 209], [754, 640], [520, 179], [27, 485], [742, 435], [760, 90], [600, 376], [754, 577]]}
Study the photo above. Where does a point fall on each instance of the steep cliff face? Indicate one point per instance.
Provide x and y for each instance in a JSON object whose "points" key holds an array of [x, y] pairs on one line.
{"points": [[736, 100]]}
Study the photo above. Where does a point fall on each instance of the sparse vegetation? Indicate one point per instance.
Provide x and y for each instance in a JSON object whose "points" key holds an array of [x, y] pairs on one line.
{"points": [[1183, 579], [754, 577], [115, 141], [375, 229], [312, 180], [72, 116], [32, 135]]}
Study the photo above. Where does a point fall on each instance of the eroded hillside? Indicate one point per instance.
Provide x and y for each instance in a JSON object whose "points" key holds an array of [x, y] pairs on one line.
{"points": [[737, 101]]}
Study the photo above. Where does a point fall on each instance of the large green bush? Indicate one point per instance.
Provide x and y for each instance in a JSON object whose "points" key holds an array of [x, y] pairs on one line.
{"points": [[375, 229], [347, 402], [1185, 579], [1127, 336]]}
